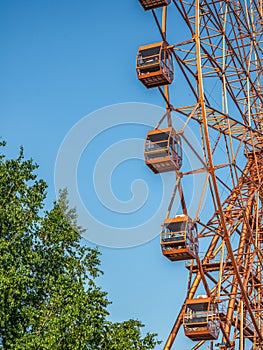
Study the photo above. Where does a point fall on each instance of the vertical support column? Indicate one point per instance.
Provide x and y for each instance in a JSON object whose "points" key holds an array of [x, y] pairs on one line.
{"points": [[166, 87], [212, 171], [164, 20], [241, 340]]}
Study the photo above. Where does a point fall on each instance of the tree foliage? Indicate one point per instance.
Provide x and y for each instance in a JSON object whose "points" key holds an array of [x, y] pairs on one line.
{"points": [[48, 295]]}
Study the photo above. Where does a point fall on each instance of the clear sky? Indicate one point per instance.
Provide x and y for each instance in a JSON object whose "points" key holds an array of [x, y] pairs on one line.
{"points": [[60, 61]]}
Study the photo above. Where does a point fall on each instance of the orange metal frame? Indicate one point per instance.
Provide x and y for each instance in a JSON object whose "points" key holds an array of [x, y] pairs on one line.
{"points": [[224, 50]]}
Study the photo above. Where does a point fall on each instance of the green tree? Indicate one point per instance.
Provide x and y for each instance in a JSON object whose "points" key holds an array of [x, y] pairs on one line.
{"points": [[48, 295]]}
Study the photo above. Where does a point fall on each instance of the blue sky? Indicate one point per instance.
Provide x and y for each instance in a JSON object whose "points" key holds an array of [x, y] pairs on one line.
{"points": [[61, 61]]}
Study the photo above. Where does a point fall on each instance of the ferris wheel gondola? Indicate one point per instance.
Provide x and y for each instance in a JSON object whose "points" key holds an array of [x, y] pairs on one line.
{"points": [[163, 150], [153, 4], [154, 65]]}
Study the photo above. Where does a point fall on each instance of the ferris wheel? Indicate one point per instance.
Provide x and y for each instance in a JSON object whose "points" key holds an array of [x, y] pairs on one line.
{"points": [[221, 61]]}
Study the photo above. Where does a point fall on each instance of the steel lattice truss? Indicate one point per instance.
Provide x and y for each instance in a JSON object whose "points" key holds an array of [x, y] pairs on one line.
{"points": [[222, 63], [231, 49]]}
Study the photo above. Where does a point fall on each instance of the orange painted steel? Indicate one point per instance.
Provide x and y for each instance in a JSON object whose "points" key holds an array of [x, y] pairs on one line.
{"points": [[221, 61]]}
